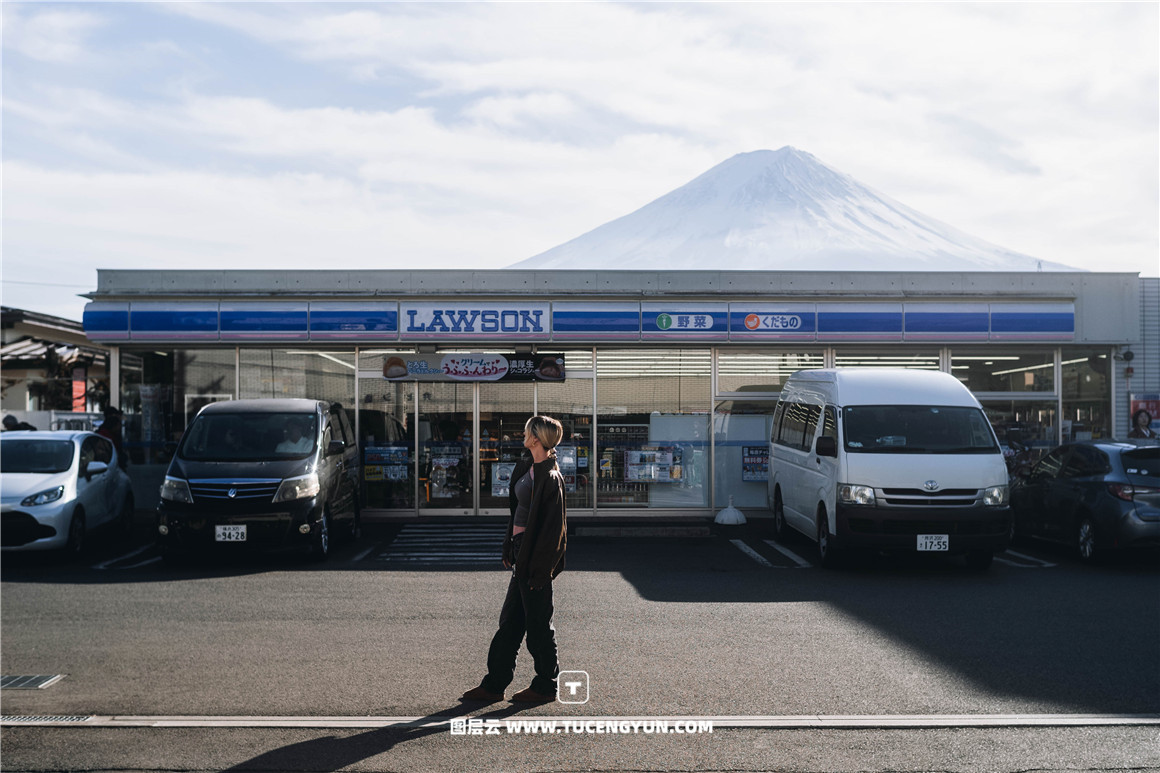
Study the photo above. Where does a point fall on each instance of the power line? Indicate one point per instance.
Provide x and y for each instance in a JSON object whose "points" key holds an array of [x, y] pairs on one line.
{"points": [[41, 284]]}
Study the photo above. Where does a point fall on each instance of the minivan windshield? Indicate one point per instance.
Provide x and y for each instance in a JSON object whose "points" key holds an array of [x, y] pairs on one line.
{"points": [[253, 437], [917, 429], [31, 455]]}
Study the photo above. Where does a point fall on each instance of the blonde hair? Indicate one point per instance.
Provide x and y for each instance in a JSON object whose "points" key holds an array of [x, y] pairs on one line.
{"points": [[546, 430]]}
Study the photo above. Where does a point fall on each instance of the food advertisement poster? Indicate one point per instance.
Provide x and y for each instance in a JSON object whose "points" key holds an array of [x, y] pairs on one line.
{"points": [[473, 366]]}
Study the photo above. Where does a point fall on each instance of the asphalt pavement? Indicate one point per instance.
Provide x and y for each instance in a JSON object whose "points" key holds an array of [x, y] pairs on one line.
{"points": [[395, 626]]}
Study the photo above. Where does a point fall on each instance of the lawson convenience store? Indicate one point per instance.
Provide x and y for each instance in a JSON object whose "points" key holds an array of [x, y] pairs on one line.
{"points": [[665, 381]]}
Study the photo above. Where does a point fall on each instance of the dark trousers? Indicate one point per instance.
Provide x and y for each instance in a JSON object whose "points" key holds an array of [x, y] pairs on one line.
{"points": [[525, 611]]}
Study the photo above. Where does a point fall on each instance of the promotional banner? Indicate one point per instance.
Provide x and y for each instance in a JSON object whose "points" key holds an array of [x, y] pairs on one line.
{"points": [[473, 366]]}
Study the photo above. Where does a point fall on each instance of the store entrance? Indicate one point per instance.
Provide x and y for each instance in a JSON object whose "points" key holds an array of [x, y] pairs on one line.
{"points": [[470, 437]]}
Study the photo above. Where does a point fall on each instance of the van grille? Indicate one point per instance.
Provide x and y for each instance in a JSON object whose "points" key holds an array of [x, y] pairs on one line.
{"points": [[912, 497], [889, 526], [247, 490]]}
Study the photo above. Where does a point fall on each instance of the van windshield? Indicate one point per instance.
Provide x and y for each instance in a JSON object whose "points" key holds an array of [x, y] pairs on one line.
{"points": [[917, 429], [233, 437]]}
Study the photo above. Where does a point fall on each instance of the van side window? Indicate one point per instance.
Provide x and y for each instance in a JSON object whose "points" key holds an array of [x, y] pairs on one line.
{"points": [[777, 414], [792, 430], [830, 423], [811, 426]]}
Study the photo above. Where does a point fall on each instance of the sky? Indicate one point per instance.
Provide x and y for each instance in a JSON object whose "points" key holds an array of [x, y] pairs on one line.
{"points": [[474, 135]]}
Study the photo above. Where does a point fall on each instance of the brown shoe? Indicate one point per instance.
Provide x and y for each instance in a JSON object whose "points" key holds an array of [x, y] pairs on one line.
{"points": [[531, 696], [480, 694]]}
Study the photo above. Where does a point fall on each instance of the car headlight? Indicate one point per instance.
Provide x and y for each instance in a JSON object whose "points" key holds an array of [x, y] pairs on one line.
{"points": [[43, 497], [176, 490], [849, 494], [995, 496], [298, 488]]}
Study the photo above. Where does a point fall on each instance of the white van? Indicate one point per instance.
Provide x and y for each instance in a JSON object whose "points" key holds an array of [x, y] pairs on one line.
{"points": [[887, 459]]}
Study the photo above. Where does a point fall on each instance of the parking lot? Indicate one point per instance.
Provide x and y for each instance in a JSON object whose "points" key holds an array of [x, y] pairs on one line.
{"points": [[678, 623]]}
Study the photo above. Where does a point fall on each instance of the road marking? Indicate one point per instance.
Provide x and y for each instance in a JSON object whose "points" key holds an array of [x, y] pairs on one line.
{"points": [[792, 556], [127, 556], [437, 543], [839, 721], [153, 560], [367, 552], [751, 552], [1032, 559]]}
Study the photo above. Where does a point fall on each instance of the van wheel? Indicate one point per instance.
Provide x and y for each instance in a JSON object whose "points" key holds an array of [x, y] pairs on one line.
{"points": [[320, 551], [780, 530], [826, 550]]}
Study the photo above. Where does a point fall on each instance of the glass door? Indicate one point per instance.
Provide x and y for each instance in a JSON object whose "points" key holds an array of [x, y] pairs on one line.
{"points": [[503, 411], [446, 447]]}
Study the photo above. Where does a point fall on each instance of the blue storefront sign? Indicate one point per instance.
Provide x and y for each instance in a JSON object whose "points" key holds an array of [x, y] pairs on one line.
{"points": [[475, 321], [678, 320]]}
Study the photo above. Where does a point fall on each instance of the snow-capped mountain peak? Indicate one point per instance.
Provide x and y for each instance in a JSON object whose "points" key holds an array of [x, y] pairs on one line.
{"points": [[780, 210]]}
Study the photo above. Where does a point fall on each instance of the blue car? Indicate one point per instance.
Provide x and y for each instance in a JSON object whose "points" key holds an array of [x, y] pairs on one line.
{"points": [[1097, 497]]}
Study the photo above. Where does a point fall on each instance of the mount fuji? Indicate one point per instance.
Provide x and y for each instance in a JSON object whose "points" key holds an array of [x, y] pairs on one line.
{"points": [[780, 210]]}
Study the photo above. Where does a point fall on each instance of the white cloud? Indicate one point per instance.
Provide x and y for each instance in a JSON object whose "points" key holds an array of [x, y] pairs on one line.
{"points": [[56, 35]]}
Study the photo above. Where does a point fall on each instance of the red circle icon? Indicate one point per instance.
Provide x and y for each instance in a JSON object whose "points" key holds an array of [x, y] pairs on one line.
{"points": [[752, 322]]}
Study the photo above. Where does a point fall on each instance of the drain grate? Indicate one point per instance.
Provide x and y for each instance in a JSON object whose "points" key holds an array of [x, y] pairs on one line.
{"points": [[37, 682], [41, 720]]}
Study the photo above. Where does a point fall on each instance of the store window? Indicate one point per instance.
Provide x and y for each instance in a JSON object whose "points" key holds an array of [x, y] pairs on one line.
{"points": [[741, 442], [1024, 424], [1086, 394], [275, 373], [570, 402], [887, 357], [504, 409], [752, 370], [652, 435], [162, 390], [386, 413], [1003, 370]]}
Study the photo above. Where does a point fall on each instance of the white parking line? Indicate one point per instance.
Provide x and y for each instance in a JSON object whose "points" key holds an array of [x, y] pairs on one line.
{"points": [[153, 560], [111, 561], [1032, 559], [751, 552], [837, 721], [792, 556]]}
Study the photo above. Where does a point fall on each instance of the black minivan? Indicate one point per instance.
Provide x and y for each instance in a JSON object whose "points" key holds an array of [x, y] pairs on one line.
{"points": [[258, 474]]}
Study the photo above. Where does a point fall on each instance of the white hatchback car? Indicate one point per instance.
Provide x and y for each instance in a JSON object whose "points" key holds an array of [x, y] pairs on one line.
{"points": [[56, 487]]}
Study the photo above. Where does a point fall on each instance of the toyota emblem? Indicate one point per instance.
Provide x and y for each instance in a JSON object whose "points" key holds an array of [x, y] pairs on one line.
{"points": [[232, 493], [930, 485]]}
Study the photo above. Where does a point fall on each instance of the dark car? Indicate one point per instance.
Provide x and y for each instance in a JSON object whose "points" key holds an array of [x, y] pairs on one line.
{"points": [[260, 474], [1096, 497]]}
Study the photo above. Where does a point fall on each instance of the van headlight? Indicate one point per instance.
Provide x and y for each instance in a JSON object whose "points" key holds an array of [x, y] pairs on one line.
{"points": [[43, 497], [995, 496], [176, 490], [849, 494], [298, 488]]}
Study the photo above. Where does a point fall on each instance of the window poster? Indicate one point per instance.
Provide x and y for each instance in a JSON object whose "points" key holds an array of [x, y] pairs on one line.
{"points": [[444, 477], [386, 463], [567, 459], [652, 465], [501, 478], [755, 463]]}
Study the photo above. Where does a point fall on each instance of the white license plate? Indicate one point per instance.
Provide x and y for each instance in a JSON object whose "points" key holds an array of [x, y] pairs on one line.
{"points": [[230, 533], [934, 542]]}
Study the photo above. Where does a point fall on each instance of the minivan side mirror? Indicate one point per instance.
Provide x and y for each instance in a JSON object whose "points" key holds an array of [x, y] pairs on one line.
{"points": [[335, 448], [827, 446]]}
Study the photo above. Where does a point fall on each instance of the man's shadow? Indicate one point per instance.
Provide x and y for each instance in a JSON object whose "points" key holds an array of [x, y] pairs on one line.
{"points": [[332, 753]]}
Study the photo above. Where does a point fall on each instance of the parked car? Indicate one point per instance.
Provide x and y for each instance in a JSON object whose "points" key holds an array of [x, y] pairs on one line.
{"points": [[261, 474], [57, 487], [1096, 497]]}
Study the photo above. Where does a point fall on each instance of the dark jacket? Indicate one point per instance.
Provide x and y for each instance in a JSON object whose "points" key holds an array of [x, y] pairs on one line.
{"points": [[541, 555]]}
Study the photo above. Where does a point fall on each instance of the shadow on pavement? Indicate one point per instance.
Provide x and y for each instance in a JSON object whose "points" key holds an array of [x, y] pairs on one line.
{"points": [[333, 753]]}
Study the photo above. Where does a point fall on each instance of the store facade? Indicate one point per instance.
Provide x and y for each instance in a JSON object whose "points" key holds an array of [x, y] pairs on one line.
{"points": [[665, 381]]}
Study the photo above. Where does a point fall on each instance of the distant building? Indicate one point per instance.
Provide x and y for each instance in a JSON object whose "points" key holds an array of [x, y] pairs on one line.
{"points": [[49, 371]]}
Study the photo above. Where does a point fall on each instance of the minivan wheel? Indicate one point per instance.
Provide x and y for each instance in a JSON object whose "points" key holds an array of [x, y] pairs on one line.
{"points": [[1086, 540], [779, 525], [321, 549], [826, 551]]}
